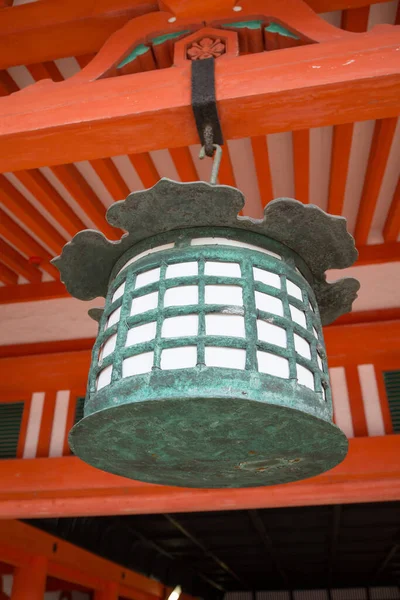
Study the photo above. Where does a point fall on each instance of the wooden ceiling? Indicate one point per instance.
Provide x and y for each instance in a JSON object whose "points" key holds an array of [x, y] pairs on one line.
{"points": [[347, 168]]}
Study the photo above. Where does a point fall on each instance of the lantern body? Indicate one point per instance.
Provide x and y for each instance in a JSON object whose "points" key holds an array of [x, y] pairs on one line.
{"points": [[209, 369]]}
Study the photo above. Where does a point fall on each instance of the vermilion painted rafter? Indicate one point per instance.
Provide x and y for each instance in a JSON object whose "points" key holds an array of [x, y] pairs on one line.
{"points": [[81, 191], [184, 164], [111, 177], [341, 147], [7, 84], [226, 174], [301, 159], [15, 202], [356, 19], [47, 70], [68, 487], [8, 276], [263, 169], [160, 115], [25, 243], [37, 184], [391, 230], [145, 168], [378, 156], [18, 263]]}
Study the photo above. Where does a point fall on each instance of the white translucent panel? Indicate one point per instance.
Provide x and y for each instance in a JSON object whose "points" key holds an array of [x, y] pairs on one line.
{"points": [[315, 332], [108, 347], [147, 253], [229, 325], [266, 277], [269, 303], [228, 358], [136, 365], [144, 303], [118, 292], [217, 241], [273, 364], [294, 290], [104, 377], [298, 316], [147, 278], [271, 333], [114, 317], [223, 269], [311, 306], [305, 376], [223, 294], [183, 357], [319, 361], [141, 333], [302, 346], [182, 326], [186, 269], [181, 295]]}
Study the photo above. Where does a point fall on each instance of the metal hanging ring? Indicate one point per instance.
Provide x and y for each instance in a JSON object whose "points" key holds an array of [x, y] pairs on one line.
{"points": [[216, 163]]}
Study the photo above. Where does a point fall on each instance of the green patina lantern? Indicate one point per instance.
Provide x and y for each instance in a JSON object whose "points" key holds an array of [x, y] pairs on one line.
{"points": [[209, 369]]}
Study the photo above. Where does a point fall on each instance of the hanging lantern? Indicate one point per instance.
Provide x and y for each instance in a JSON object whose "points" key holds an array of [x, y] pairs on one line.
{"points": [[209, 369]]}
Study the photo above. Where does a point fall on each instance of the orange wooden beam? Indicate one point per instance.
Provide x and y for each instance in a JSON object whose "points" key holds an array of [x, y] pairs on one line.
{"points": [[391, 228], [46, 290], [160, 115], [18, 263], [7, 276], [30, 579], [21, 544], [16, 203], [356, 20], [51, 30], [18, 237], [104, 167], [378, 156], [378, 253], [301, 160], [67, 487]]}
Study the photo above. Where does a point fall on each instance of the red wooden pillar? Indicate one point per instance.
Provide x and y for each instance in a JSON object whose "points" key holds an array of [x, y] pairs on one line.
{"points": [[30, 580], [110, 592]]}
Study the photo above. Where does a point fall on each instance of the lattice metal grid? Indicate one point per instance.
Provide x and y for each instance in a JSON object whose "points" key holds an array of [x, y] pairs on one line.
{"points": [[202, 275]]}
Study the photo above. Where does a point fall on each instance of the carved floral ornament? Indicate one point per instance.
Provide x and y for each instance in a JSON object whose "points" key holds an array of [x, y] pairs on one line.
{"points": [[206, 48]]}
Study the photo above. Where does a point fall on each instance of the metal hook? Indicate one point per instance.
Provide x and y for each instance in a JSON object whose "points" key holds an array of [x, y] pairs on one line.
{"points": [[216, 163]]}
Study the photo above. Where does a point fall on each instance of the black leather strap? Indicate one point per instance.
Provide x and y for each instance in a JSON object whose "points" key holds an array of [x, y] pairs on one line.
{"points": [[204, 104]]}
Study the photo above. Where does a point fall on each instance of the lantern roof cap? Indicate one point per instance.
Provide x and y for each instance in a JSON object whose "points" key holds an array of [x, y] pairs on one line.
{"points": [[320, 239]]}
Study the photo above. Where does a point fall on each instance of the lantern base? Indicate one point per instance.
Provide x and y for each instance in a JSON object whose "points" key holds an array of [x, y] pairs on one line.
{"points": [[208, 443]]}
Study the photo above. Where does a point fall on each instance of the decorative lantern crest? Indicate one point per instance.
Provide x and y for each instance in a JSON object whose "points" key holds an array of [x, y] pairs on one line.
{"points": [[209, 368]]}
